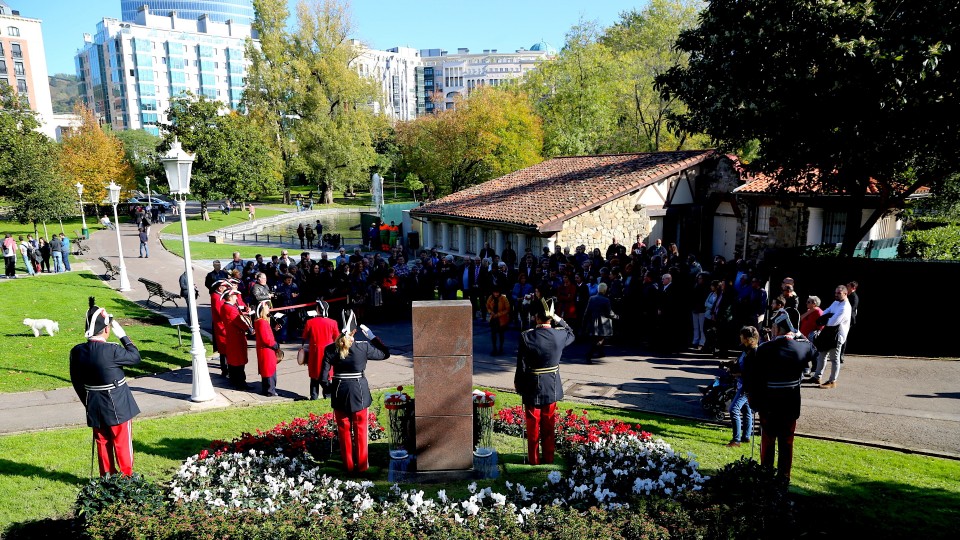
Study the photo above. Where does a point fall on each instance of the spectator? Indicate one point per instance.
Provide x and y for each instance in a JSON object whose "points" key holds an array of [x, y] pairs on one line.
{"points": [[598, 321], [144, 251]]}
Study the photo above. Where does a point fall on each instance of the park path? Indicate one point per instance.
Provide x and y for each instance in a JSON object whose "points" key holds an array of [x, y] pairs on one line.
{"points": [[906, 403]]}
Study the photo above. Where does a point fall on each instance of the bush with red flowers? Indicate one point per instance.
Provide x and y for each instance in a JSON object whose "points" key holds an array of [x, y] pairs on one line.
{"points": [[510, 421], [316, 435], [573, 429]]}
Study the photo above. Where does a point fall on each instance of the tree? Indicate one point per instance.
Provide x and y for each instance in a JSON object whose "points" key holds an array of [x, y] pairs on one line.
{"points": [[575, 95], [850, 96], [29, 178], [233, 158], [140, 151], [642, 42], [489, 134], [94, 157]]}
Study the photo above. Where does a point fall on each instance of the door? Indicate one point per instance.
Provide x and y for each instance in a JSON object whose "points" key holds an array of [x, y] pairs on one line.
{"points": [[724, 236]]}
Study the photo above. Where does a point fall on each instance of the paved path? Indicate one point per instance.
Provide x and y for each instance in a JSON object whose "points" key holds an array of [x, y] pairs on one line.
{"points": [[906, 403]]}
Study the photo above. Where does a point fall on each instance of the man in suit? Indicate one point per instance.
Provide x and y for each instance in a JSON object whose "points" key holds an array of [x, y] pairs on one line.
{"points": [[538, 382]]}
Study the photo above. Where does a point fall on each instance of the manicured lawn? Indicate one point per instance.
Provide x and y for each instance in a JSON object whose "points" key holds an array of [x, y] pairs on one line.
{"points": [[838, 487], [53, 227], [218, 220], [42, 363], [209, 250]]}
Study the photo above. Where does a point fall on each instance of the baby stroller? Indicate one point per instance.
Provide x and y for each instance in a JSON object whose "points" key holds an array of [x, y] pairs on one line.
{"points": [[717, 396]]}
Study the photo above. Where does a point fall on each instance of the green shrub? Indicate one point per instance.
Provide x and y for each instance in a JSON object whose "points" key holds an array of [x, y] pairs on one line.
{"points": [[112, 489], [938, 243]]}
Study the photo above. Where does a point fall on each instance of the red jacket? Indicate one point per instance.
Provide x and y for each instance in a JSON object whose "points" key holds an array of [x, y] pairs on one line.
{"points": [[319, 332], [218, 330], [266, 355], [235, 336]]}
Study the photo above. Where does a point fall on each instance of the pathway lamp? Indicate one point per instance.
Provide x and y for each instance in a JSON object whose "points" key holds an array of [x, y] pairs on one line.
{"points": [[83, 216], [114, 193]]}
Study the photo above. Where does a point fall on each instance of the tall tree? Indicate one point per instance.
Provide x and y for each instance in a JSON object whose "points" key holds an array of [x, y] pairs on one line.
{"points": [[29, 167], [233, 158], [94, 157], [852, 96], [642, 41], [575, 95], [140, 151], [493, 132]]}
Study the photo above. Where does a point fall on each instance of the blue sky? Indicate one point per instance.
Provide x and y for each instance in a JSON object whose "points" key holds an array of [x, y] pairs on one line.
{"points": [[505, 25]]}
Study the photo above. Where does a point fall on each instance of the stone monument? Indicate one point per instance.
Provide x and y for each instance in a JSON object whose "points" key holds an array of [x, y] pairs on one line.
{"points": [[443, 379]]}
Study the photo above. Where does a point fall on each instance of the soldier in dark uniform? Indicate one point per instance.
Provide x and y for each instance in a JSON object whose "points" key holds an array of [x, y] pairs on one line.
{"points": [[349, 390], [97, 375], [538, 379], [772, 381]]}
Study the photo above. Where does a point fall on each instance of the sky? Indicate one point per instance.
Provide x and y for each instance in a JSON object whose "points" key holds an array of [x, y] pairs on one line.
{"points": [[505, 25]]}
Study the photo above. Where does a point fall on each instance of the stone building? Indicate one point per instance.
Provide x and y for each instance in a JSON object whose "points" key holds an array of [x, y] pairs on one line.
{"points": [[590, 200]]}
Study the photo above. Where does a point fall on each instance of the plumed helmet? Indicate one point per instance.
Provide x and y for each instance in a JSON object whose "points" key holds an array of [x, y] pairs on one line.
{"points": [[97, 319]]}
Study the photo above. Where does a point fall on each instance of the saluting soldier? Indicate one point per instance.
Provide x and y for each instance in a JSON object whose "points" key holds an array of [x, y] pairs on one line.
{"points": [[96, 371], [538, 379]]}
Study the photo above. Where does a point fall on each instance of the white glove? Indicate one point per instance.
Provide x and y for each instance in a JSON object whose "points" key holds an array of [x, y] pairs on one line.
{"points": [[557, 318], [117, 329], [367, 331]]}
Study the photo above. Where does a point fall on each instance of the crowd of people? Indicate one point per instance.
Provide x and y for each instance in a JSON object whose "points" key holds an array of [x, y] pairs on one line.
{"points": [[39, 256]]}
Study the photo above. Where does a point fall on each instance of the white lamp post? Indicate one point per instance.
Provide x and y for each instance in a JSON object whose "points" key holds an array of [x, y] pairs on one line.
{"points": [[177, 165], [83, 215], [114, 190], [149, 200]]}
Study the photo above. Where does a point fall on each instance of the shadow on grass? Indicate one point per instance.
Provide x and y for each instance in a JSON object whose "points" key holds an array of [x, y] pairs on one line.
{"points": [[172, 448], [42, 374], [50, 528], [15, 468]]}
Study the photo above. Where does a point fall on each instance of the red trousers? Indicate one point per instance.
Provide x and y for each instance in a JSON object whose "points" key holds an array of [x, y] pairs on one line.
{"points": [[542, 432], [352, 430], [773, 432], [115, 447]]}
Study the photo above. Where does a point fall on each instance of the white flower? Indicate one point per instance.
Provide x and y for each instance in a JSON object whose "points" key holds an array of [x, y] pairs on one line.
{"points": [[472, 488], [554, 477]]}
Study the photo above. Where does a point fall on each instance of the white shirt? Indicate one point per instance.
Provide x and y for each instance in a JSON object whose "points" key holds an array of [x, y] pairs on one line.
{"points": [[839, 312]]}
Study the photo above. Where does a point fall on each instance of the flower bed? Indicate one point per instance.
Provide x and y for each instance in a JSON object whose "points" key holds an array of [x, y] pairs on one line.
{"points": [[573, 430]]}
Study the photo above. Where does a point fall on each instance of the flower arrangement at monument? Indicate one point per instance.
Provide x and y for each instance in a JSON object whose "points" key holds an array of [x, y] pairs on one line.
{"points": [[399, 414], [484, 398], [395, 400]]}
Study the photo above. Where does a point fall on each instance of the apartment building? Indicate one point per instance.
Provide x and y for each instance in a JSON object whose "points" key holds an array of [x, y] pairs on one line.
{"points": [[23, 64]]}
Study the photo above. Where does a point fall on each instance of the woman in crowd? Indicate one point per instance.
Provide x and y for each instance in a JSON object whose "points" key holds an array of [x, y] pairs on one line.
{"points": [[349, 390], [808, 320], [267, 349], [498, 309], [740, 413]]}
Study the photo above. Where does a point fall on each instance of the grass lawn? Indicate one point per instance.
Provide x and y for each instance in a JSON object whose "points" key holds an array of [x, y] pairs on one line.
{"points": [[209, 250], [53, 227], [30, 363], [838, 487], [218, 220]]}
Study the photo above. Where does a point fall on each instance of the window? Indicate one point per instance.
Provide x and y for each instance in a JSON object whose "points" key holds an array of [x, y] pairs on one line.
{"points": [[21, 86], [15, 50], [1, 48], [18, 69], [834, 226], [3, 67], [761, 220], [13, 31]]}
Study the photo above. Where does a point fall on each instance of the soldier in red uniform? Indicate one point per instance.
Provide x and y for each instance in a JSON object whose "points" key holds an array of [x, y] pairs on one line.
{"points": [[267, 348], [235, 339], [218, 331], [538, 379], [319, 332], [96, 371]]}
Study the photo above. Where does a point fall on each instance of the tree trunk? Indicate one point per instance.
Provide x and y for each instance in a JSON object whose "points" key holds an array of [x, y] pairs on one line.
{"points": [[327, 195], [851, 233]]}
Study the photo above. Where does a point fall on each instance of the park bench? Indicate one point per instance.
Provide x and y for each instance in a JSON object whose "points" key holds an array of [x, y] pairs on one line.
{"points": [[111, 271], [155, 289]]}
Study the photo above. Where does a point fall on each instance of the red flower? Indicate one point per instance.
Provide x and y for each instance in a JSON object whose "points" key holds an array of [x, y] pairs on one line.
{"points": [[204, 454]]}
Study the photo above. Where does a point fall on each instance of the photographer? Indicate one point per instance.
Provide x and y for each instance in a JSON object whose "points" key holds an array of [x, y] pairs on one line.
{"points": [[741, 415]]}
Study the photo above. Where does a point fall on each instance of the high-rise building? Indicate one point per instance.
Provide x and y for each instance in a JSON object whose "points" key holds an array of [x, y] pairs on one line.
{"points": [[23, 63], [129, 71], [238, 11], [447, 76], [399, 72]]}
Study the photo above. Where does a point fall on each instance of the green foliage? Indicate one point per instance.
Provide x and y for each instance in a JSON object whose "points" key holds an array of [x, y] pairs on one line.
{"points": [[938, 243], [232, 157], [63, 92], [132, 491], [855, 92], [140, 150]]}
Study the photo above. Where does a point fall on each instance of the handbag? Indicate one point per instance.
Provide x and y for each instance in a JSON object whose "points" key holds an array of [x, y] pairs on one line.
{"points": [[279, 355], [303, 353], [827, 338]]}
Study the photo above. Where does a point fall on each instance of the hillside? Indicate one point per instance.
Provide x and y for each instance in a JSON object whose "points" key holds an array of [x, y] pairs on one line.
{"points": [[63, 92]]}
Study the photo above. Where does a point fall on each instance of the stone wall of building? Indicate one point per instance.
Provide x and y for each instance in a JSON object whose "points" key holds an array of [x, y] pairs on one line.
{"points": [[788, 225], [595, 229]]}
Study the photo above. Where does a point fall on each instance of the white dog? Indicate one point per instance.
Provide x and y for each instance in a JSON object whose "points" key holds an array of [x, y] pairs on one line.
{"points": [[36, 325]]}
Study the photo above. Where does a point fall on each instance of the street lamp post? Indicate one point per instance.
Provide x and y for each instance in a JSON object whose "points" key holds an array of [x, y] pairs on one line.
{"points": [[83, 215], [114, 190], [178, 164], [149, 200]]}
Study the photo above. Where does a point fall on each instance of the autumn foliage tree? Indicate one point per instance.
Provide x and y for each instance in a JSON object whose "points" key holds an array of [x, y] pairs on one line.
{"points": [[489, 134], [94, 158]]}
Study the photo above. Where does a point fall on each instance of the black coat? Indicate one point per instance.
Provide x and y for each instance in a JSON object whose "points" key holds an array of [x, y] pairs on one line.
{"points": [[541, 348], [772, 376], [97, 363], [351, 395], [598, 317]]}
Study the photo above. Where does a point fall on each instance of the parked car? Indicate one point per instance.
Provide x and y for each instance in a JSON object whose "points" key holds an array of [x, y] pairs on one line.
{"points": [[153, 200]]}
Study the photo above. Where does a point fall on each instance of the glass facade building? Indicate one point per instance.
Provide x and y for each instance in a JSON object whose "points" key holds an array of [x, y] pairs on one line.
{"points": [[238, 11]]}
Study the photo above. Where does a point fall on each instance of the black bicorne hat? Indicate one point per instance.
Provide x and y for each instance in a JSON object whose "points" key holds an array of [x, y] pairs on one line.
{"points": [[349, 321], [97, 319]]}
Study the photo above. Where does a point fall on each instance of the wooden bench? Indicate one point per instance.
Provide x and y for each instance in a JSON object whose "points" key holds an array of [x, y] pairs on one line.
{"points": [[155, 289], [111, 271]]}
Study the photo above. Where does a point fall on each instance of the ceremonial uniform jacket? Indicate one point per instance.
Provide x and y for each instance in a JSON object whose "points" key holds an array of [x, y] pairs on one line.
{"points": [[266, 354], [538, 364], [235, 335], [319, 332], [772, 376], [97, 376], [349, 390], [219, 332]]}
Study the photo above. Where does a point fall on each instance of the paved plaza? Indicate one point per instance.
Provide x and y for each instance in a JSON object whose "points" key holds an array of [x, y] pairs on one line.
{"points": [[905, 403]]}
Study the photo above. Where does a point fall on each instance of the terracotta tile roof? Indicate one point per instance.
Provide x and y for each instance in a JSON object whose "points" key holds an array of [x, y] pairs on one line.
{"points": [[560, 188], [767, 184]]}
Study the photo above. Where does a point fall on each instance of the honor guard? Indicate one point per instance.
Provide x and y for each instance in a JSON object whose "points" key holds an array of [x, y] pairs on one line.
{"points": [[538, 379], [96, 371]]}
